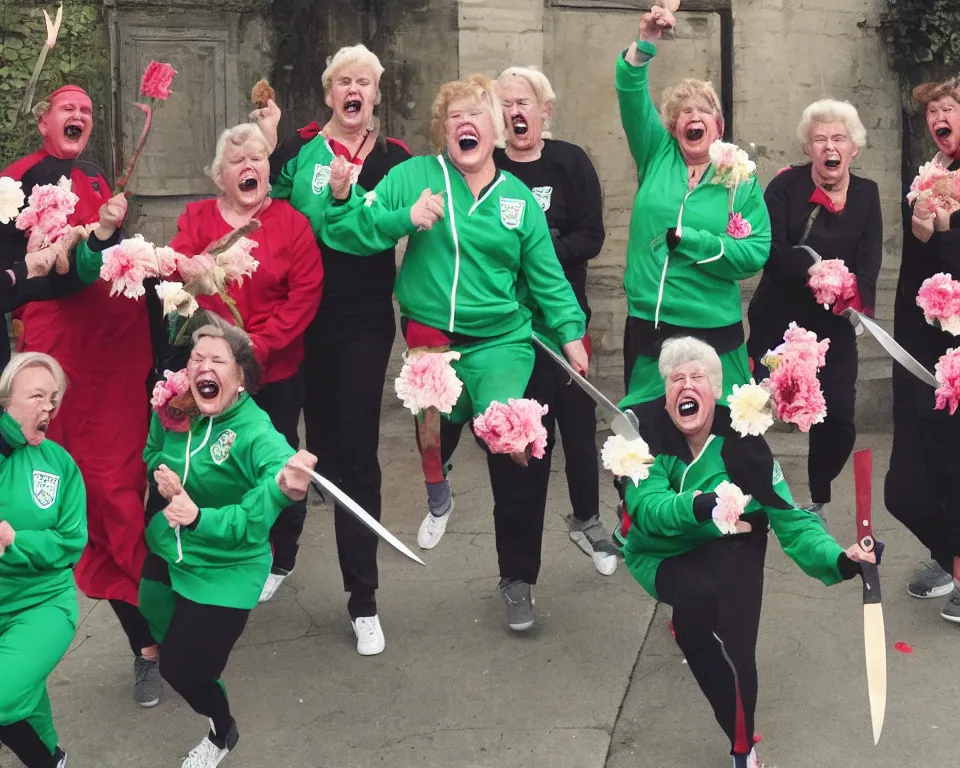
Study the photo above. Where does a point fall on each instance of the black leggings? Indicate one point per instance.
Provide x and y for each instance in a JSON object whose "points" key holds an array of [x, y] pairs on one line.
{"points": [[24, 742], [135, 627], [716, 593]]}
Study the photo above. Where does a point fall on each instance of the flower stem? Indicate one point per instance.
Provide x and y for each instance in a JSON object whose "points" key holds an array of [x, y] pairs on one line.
{"points": [[232, 306], [125, 179]]}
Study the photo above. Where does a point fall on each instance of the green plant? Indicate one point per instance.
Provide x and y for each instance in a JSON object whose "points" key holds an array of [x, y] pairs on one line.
{"points": [[921, 31]]}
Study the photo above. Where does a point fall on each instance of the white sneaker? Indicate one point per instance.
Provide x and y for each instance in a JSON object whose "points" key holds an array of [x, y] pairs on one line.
{"points": [[272, 584], [432, 529], [62, 762], [205, 755], [370, 640]]}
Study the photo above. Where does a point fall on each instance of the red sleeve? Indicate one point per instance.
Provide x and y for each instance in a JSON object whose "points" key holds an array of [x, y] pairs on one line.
{"points": [[291, 317], [190, 239]]}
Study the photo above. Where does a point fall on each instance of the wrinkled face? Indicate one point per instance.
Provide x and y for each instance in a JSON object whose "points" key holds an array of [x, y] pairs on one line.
{"points": [[690, 400], [215, 378], [66, 126], [245, 173], [34, 400], [352, 96], [831, 149], [470, 134], [522, 113], [943, 122], [697, 127]]}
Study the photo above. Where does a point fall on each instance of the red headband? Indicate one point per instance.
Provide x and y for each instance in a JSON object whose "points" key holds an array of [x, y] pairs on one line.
{"points": [[66, 89]]}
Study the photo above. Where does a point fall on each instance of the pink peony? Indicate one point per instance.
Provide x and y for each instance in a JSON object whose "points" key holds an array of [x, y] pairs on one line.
{"points": [[731, 502], [797, 394], [933, 187], [427, 380], [738, 227], [127, 265], [939, 298], [831, 281], [513, 427], [802, 344], [236, 261], [156, 81], [948, 374], [46, 214], [172, 386]]}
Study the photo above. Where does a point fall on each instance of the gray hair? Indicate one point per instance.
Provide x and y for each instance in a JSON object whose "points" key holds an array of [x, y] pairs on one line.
{"points": [[349, 55], [241, 347], [540, 86], [687, 349], [235, 137], [26, 360], [832, 111]]}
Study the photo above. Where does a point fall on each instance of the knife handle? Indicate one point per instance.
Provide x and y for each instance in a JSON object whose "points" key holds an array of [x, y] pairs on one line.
{"points": [[871, 583], [863, 482]]}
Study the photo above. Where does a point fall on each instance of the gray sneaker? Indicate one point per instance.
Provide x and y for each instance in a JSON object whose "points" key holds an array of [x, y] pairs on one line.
{"points": [[930, 580], [146, 690], [594, 540], [820, 510], [951, 611], [519, 600]]}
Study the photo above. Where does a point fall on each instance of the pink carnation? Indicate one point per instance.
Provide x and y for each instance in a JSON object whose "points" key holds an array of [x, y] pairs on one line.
{"points": [[797, 394], [802, 344], [731, 502], [738, 227], [934, 187], [830, 281], [172, 386], [46, 214], [127, 265], [939, 298], [427, 380], [513, 427], [236, 261], [948, 374], [156, 81]]}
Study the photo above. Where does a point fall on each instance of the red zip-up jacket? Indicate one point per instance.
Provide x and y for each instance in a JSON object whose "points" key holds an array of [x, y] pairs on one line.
{"points": [[280, 300]]}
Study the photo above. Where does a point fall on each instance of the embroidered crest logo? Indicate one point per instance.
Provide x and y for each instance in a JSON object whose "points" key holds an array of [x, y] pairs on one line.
{"points": [[321, 177], [777, 472], [543, 195], [220, 450], [511, 212], [45, 488]]}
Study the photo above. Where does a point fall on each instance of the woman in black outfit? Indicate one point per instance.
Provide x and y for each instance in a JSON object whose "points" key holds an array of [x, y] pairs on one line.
{"points": [[837, 214]]}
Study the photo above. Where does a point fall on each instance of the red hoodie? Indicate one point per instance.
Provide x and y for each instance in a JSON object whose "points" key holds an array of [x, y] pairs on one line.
{"points": [[280, 300]]}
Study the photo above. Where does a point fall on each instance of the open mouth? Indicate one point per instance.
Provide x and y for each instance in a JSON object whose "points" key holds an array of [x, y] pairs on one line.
{"points": [[248, 184], [352, 107], [73, 132], [688, 407], [695, 134], [208, 389], [43, 426], [943, 132], [833, 162], [519, 126], [468, 141]]}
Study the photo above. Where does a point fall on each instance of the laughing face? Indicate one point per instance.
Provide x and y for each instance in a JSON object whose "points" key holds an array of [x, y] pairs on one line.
{"points": [[690, 400], [696, 129], [34, 400], [245, 173], [66, 126], [353, 94], [522, 113], [831, 150], [215, 378], [943, 122], [470, 134]]}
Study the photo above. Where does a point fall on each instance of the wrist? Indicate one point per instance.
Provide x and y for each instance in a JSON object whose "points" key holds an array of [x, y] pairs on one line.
{"points": [[104, 233]]}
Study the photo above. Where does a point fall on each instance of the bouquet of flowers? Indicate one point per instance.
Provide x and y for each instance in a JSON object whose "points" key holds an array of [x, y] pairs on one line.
{"points": [[732, 167], [46, 214], [627, 458], [513, 428], [939, 298], [831, 281], [935, 188]]}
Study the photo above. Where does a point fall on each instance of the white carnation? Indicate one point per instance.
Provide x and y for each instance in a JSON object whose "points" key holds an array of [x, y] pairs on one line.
{"points": [[751, 409], [627, 458], [11, 199], [175, 299]]}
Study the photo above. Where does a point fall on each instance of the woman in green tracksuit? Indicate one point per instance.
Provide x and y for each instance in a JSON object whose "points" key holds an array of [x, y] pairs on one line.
{"points": [[222, 475], [43, 530], [691, 240], [714, 580], [472, 230]]}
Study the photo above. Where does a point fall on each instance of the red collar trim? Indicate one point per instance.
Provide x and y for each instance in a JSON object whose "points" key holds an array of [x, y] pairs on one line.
{"points": [[821, 198]]}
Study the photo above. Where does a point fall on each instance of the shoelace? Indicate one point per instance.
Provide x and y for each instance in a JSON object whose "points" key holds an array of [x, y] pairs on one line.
{"points": [[205, 750], [142, 669], [366, 627]]}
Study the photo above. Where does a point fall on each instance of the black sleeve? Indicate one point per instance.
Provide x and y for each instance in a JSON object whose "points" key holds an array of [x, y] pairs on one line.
{"points": [[8, 281], [582, 236], [945, 247], [703, 506], [870, 252], [787, 262], [283, 153]]}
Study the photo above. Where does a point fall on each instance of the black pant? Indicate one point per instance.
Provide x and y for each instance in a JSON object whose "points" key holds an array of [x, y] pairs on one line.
{"points": [[575, 413], [519, 505], [346, 366], [135, 627], [24, 742], [194, 653], [282, 401], [4, 342], [716, 593]]}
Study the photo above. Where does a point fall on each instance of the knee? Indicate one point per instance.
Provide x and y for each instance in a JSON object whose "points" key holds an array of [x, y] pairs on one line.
{"points": [[174, 668]]}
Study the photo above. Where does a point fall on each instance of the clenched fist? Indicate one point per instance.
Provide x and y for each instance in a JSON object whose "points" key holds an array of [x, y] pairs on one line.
{"points": [[293, 480], [112, 214], [181, 510], [168, 483], [427, 211], [340, 178]]}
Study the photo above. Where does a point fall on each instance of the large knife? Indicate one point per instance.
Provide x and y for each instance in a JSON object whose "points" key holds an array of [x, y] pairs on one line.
{"points": [[623, 423], [874, 635], [895, 351]]}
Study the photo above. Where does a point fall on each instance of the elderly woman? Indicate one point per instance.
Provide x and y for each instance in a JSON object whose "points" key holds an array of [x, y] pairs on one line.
{"points": [[43, 529], [472, 229], [696, 229], [922, 487], [348, 345], [565, 183], [276, 305], [823, 206], [714, 580], [223, 475]]}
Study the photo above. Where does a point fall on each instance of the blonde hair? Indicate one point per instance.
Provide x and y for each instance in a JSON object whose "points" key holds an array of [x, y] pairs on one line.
{"points": [[687, 349], [924, 93], [674, 99], [480, 89], [832, 111], [347, 56], [540, 86], [234, 137], [26, 360]]}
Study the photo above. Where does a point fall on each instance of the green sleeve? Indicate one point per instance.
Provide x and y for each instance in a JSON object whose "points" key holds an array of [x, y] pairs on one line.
{"points": [[728, 257], [641, 121], [545, 281], [366, 224], [282, 188], [151, 454], [61, 546], [250, 521], [88, 263], [657, 510]]}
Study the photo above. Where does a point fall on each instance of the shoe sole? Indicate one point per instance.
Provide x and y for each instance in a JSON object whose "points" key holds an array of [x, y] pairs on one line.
{"points": [[934, 592], [149, 704], [952, 619], [372, 653], [522, 627]]}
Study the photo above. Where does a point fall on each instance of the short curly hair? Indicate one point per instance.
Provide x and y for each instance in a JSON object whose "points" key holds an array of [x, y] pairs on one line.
{"points": [[674, 99], [241, 347], [681, 350], [832, 111], [480, 89]]}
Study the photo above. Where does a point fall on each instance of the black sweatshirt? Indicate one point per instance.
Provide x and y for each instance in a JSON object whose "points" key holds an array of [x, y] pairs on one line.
{"points": [[566, 185], [352, 285], [855, 235]]}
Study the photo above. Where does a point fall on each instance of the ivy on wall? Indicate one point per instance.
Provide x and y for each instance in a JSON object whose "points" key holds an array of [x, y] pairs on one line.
{"points": [[922, 31], [81, 57]]}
